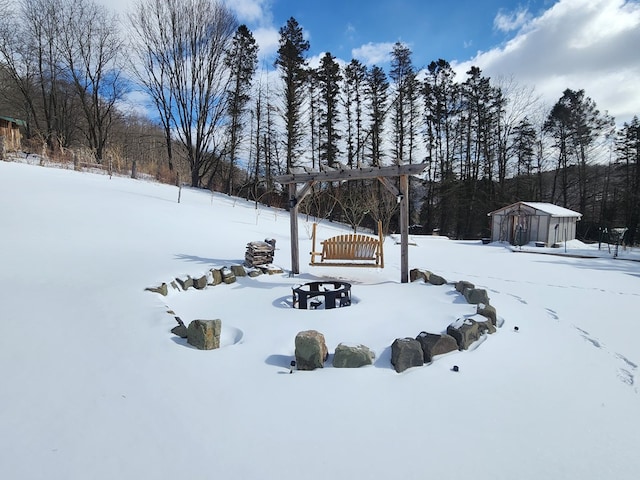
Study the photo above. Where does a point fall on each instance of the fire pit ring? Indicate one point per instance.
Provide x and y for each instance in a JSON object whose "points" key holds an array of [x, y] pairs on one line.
{"points": [[315, 294]]}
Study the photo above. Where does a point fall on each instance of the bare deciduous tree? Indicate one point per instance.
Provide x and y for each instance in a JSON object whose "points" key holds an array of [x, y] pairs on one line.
{"points": [[181, 46], [91, 48]]}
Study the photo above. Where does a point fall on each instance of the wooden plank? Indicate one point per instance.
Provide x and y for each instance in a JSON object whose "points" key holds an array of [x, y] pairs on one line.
{"points": [[352, 173]]}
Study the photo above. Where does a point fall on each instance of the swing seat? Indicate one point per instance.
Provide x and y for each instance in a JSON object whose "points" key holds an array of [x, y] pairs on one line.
{"points": [[349, 250]]}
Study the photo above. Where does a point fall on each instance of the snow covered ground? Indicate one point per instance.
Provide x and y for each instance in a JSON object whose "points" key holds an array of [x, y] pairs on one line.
{"points": [[94, 385]]}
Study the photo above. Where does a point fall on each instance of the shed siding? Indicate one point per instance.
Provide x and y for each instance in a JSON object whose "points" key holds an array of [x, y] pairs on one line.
{"points": [[522, 223]]}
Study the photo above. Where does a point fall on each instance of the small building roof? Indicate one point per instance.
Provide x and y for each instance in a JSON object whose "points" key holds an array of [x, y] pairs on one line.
{"points": [[20, 123], [548, 208]]}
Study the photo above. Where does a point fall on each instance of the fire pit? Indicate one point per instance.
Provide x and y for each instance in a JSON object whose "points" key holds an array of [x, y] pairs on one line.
{"points": [[317, 295]]}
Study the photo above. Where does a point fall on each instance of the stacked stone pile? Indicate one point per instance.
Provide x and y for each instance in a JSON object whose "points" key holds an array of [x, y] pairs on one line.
{"points": [[259, 253]]}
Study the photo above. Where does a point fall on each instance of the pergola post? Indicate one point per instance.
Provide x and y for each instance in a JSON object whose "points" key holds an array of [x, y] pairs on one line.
{"points": [[293, 226], [404, 228]]}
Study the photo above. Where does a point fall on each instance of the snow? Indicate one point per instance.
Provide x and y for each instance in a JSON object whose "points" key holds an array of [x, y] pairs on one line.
{"points": [[94, 385], [553, 210]]}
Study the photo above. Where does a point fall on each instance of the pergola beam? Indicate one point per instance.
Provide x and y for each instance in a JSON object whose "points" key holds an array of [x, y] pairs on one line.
{"points": [[345, 173]]}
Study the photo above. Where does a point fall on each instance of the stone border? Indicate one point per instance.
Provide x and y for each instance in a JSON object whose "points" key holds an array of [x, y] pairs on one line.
{"points": [[405, 352]]}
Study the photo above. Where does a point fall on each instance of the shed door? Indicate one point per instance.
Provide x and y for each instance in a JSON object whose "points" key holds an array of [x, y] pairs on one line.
{"points": [[520, 229]]}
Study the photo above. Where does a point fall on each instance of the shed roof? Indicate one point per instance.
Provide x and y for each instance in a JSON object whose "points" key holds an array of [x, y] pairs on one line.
{"points": [[548, 208], [20, 123]]}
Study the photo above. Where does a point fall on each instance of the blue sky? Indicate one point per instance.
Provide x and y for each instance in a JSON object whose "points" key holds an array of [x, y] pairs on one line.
{"points": [[541, 46], [453, 30]]}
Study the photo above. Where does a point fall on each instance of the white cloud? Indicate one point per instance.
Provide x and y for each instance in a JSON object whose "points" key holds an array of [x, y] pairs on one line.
{"points": [[373, 53], [577, 44], [511, 21], [267, 39], [250, 11]]}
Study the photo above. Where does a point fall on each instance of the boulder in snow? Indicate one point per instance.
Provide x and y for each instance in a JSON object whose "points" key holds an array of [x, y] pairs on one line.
{"points": [[352, 356], [476, 296], [311, 350], [463, 285], [406, 353], [467, 330], [204, 334], [433, 344]]}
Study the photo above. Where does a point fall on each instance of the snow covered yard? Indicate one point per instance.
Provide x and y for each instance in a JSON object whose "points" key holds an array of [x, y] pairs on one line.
{"points": [[95, 386]]}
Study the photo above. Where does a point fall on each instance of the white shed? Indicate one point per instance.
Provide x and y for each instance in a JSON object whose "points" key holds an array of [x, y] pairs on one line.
{"points": [[525, 222]]}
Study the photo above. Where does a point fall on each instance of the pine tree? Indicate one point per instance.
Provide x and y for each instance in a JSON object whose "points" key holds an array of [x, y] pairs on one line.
{"points": [[524, 140], [376, 92], [404, 77], [441, 100], [242, 61], [354, 78], [329, 77], [292, 64], [628, 154]]}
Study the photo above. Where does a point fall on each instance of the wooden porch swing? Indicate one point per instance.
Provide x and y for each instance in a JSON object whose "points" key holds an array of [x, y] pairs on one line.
{"points": [[349, 250]]}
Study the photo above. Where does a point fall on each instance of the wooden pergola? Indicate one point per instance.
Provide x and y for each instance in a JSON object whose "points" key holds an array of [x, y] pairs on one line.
{"points": [[309, 178]]}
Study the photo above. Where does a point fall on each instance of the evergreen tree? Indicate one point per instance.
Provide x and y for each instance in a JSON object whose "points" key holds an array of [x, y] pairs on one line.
{"points": [[242, 61], [292, 64], [329, 78], [403, 75], [524, 140], [376, 92], [628, 155], [441, 100], [354, 79]]}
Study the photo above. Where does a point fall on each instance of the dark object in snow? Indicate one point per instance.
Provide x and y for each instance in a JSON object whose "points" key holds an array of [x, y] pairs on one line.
{"points": [[455, 368], [293, 364], [515, 329]]}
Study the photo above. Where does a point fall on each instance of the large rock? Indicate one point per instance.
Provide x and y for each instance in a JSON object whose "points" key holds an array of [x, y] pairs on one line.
{"points": [[463, 285], [406, 353], [467, 330], [311, 350], [185, 282], [352, 356], [436, 279], [433, 344], [238, 270], [181, 331], [416, 274], [216, 276], [200, 282], [204, 334], [476, 296], [489, 312], [227, 275]]}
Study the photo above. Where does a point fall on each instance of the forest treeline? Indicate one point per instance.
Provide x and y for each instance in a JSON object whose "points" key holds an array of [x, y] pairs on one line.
{"points": [[71, 68]]}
